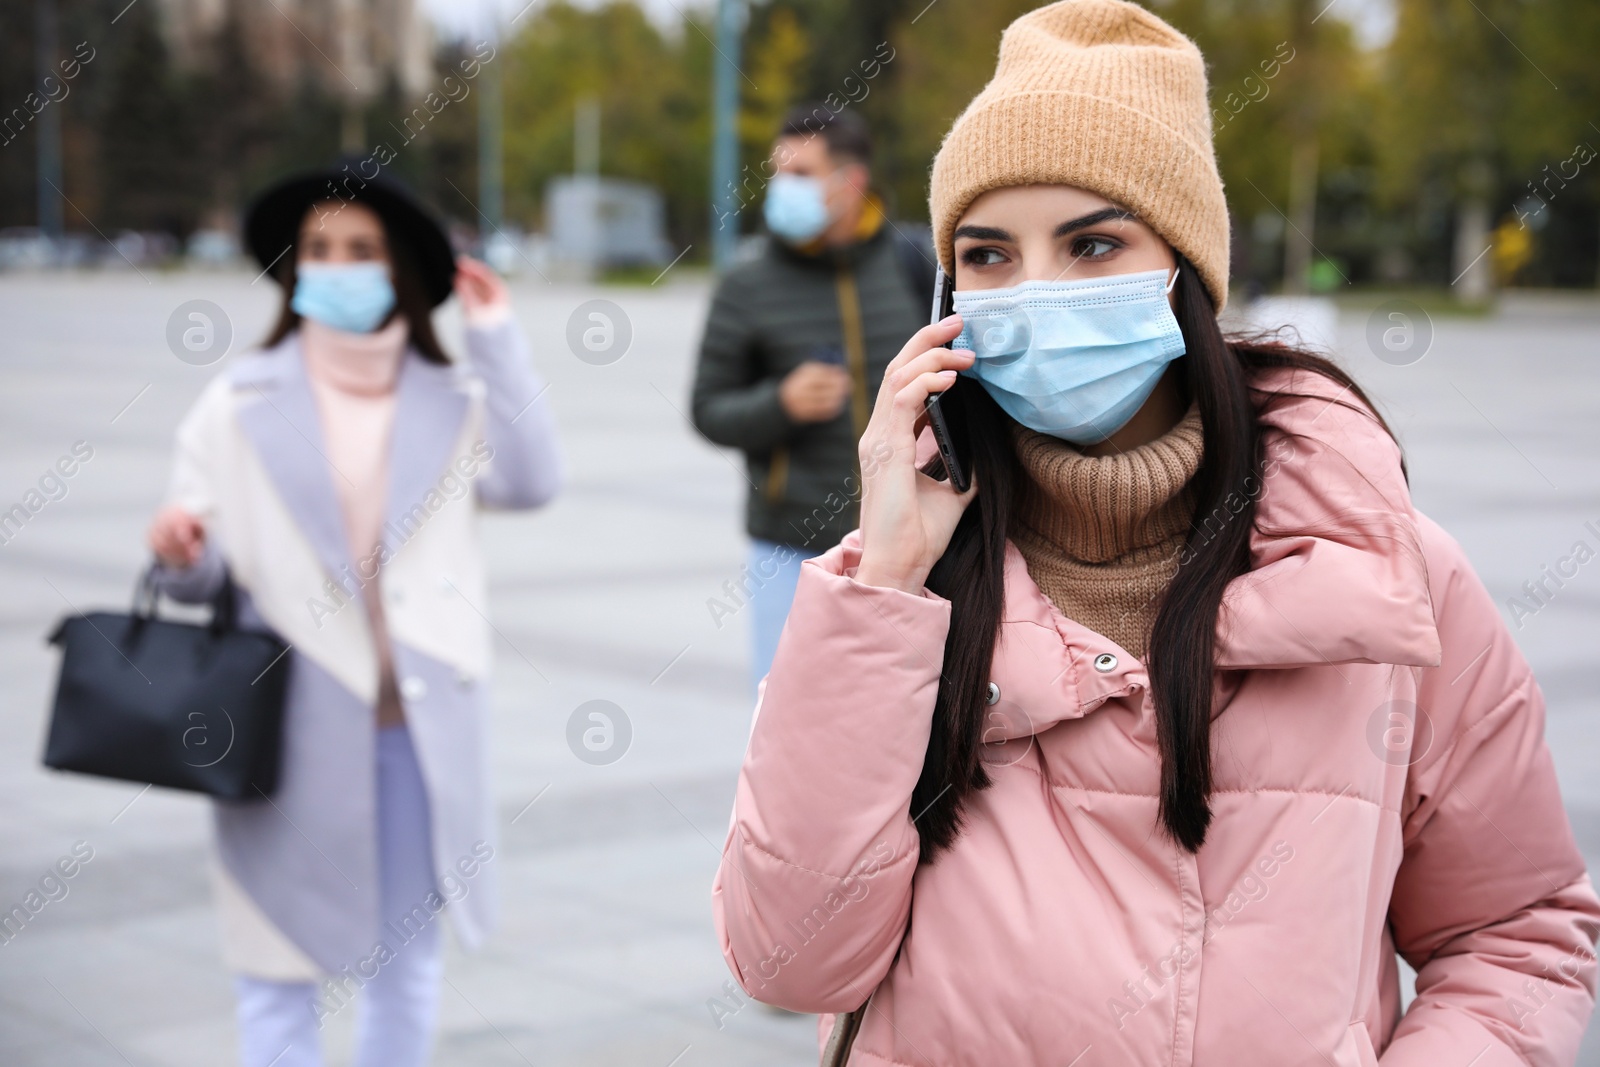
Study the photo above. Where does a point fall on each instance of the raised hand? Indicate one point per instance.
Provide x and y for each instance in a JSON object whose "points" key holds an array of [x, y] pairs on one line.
{"points": [[479, 287], [907, 517]]}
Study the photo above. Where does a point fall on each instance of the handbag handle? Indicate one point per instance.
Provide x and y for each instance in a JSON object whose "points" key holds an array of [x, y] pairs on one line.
{"points": [[224, 602], [145, 595], [225, 605]]}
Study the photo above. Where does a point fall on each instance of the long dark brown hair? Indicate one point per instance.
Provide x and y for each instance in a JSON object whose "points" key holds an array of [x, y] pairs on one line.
{"points": [[1218, 374], [410, 298]]}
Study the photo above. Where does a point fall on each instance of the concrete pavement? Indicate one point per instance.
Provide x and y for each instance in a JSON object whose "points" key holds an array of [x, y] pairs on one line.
{"points": [[607, 955]]}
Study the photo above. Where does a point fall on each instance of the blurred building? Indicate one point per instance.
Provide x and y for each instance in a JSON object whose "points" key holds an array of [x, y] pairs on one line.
{"points": [[351, 48]]}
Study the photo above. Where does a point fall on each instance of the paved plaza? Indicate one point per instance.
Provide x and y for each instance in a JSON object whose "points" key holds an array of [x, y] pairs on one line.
{"points": [[607, 954]]}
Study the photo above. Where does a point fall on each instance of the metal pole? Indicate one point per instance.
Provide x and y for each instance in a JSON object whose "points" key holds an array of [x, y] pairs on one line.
{"points": [[354, 29], [51, 220], [491, 122], [725, 137], [1299, 250], [586, 137]]}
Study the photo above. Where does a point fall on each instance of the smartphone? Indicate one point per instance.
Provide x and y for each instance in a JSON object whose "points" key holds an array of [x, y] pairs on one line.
{"points": [[944, 300]]}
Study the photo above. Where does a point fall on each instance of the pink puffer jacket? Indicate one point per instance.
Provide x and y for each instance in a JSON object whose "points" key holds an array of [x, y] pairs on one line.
{"points": [[1064, 927]]}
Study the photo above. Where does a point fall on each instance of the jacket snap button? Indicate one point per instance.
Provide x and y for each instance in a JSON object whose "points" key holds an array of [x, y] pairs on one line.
{"points": [[993, 696], [413, 688], [1105, 663]]}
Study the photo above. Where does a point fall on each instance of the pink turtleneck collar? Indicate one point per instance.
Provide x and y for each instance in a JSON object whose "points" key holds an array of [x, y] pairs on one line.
{"points": [[365, 364]]}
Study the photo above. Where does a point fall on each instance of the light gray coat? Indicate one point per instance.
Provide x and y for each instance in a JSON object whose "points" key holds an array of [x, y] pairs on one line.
{"points": [[252, 464]]}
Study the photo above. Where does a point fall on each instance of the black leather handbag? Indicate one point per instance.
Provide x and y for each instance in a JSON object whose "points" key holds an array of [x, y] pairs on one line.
{"points": [[186, 706]]}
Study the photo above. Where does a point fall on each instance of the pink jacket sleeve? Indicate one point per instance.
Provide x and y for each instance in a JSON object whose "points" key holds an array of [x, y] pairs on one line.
{"points": [[1491, 904], [814, 890]]}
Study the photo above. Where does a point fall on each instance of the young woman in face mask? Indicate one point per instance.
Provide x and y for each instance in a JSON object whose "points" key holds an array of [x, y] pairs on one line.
{"points": [[335, 476], [1159, 743]]}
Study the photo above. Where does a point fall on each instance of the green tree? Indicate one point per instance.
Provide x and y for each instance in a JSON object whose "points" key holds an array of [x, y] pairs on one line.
{"points": [[652, 93], [148, 144], [1490, 101], [943, 55], [777, 53], [1288, 91], [239, 119], [1555, 92]]}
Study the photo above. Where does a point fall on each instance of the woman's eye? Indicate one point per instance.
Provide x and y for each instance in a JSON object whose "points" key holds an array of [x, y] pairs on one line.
{"points": [[1092, 247], [982, 257]]}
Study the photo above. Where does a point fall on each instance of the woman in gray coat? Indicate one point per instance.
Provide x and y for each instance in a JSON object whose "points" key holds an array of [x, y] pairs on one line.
{"points": [[336, 476]]}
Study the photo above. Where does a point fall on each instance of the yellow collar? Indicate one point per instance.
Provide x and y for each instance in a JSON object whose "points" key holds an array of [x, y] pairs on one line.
{"points": [[871, 221]]}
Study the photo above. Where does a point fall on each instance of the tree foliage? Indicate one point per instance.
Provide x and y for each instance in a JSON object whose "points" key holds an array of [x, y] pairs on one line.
{"points": [[1498, 99]]}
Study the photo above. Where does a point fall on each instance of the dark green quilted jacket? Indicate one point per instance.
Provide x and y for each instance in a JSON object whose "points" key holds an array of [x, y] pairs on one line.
{"points": [[857, 306]]}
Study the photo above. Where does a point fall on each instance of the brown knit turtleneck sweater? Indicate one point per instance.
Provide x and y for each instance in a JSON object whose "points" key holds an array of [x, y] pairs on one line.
{"points": [[1101, 534]]}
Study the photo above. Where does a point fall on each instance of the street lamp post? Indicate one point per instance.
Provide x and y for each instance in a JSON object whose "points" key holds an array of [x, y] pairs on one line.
{"points": [[725, 136], [48, 168], [491, 160]]}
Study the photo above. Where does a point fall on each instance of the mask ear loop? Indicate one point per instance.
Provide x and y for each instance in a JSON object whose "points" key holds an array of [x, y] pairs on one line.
{"points": [[1174, 280]]}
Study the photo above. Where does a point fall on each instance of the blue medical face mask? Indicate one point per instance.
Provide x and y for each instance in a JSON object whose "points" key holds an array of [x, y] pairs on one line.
{"points": [[347, 296], [796, 208], [1074, 360]]}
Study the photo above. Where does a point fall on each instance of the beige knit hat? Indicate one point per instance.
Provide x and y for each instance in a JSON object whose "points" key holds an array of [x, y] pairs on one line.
{"points": [[1103, 95]]}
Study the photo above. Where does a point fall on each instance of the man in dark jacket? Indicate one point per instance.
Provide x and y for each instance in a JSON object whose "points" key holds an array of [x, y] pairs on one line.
{"points": [[794, 351]]}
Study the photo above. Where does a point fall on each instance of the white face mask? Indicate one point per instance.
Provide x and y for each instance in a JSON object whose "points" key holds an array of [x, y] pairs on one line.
{"points": [[796, 207], [347, 296], [1076, 359]]}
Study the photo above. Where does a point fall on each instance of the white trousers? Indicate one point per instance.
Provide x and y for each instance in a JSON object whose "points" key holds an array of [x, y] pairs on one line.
{"points": [[279, 1022]]}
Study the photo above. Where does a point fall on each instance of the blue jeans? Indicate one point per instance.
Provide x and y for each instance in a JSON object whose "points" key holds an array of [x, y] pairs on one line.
{"points": [[772, 573]]}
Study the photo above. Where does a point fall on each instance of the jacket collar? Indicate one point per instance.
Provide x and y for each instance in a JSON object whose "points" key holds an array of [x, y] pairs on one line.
{"points": [[873, 228], [1337, 576], [277, 413]]}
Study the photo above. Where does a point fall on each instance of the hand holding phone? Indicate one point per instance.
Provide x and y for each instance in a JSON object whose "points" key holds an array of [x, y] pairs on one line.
{"points": [[907, 516], [954, 467]]}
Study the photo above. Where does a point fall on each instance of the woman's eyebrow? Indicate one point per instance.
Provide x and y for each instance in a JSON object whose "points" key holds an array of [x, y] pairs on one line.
{"points": [[982, 233], [1094, 218]]}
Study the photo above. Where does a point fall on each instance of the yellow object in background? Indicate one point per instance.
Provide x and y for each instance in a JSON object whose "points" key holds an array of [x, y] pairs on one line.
{"points": [[1512, 249]]}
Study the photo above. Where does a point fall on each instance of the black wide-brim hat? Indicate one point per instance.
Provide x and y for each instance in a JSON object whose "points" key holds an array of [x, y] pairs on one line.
{"points": [[272, 223]]}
